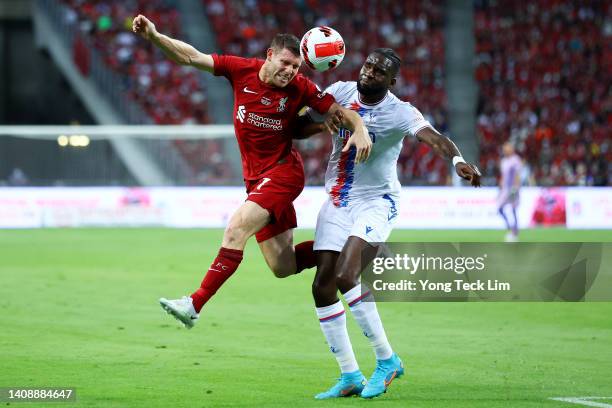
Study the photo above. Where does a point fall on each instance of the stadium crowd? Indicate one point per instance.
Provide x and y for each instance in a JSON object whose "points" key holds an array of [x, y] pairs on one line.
{"points": [[413, 29], [544, 74], [543, 71], [168, 93]]}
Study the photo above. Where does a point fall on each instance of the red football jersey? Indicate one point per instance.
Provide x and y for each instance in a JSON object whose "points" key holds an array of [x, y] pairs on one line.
{"points": [[265, 115]]}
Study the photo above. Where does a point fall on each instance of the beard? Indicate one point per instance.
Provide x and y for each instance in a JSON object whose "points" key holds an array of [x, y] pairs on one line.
{"points": [[370, 89]]}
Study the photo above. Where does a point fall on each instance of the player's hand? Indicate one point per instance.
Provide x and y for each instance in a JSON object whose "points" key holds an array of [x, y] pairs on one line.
{"points": [[143, 26], [334, 121], [470, 172], [362, 142]]}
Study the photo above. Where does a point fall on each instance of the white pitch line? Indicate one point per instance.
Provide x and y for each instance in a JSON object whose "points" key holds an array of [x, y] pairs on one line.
{"points": [[587, 401]]}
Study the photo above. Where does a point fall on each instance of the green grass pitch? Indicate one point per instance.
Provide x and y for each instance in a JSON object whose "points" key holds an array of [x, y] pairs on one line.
{"points": [[78, 308]]}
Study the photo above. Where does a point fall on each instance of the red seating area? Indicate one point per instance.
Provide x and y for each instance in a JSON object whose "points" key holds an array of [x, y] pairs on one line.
{"points": [[413, 29], [544, 70], [167, 92]]}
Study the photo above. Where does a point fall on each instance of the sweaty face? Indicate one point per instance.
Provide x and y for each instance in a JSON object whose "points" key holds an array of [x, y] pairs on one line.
{"points": [[376, 75], [283, 67]]}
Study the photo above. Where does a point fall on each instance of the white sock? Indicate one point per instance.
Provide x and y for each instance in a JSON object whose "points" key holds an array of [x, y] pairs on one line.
{"points": [[333, 324], [367, 317]]}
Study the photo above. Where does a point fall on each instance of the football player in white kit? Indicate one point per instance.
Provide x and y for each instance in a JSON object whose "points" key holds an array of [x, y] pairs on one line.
{"points": [[362, 206]]}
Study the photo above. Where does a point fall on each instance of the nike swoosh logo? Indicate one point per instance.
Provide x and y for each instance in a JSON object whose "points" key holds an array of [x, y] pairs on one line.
{"points": [[390, 379], [254, 193], [247, 90], [216, 270]]}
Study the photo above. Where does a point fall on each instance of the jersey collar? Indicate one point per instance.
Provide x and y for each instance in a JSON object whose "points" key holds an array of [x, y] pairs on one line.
{"points": [[371, 104]]}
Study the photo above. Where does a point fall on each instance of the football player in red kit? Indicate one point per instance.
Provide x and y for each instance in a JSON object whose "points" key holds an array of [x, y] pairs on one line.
{"points": [[267, 96]]}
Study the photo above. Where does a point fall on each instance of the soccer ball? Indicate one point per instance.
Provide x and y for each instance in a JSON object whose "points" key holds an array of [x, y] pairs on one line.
{"points": [[322, 48]]}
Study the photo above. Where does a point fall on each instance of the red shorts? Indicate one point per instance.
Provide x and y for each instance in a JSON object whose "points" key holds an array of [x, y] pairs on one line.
{"points": [[275, 192]]}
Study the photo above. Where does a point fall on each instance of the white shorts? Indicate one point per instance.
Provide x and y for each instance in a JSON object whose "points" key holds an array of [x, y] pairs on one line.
{"points": [[371, 220]]}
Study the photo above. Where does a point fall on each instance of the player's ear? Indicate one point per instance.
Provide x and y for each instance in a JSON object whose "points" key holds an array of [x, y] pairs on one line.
{"points": [[393, 82], [269, 54]]}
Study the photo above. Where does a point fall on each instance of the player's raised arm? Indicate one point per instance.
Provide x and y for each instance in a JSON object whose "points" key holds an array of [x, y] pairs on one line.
{"points": [[178, 51], [360, 137], [445, 147]]}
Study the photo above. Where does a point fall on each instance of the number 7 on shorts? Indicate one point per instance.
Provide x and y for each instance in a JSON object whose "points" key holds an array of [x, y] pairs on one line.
{"points": [[264, 181]]}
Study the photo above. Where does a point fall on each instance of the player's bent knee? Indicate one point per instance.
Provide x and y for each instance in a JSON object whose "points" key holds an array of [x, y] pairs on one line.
{"points": [[323, 285], [234, 236], [348, 273], [282, 272], [319, 286], [346, 281], [324, 294], [231, 233]]}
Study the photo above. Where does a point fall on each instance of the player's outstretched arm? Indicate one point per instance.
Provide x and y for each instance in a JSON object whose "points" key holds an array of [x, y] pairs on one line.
{"points": [[445, 147], [351, 120], [178, 51]]}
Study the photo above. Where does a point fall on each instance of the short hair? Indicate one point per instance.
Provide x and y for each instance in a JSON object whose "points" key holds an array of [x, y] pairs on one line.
{"points": [[391, 56], [288, 41]]}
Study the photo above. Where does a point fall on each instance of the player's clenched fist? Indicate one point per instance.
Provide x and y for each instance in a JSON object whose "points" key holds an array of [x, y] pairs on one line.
{"points": [[143, 26], [469, 172]]}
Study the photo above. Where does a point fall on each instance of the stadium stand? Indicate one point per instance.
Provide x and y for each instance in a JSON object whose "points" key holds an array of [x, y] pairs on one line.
{"points": [[414, 30], [544, 74], [167, 92], [542, 69]]}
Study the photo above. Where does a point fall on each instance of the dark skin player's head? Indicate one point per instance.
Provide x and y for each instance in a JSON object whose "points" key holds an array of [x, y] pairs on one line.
{"points": [[378, 74]]}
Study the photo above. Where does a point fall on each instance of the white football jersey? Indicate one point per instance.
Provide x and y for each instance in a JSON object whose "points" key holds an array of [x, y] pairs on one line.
{"points": [[388, 122]]}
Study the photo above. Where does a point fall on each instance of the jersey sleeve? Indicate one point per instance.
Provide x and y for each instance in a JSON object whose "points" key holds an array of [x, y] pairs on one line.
{"points": [[340, 91], [410, 120], [318, 100], [333, 90], [227, 65]]}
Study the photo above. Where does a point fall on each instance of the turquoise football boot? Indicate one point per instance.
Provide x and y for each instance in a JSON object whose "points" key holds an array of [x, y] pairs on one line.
{"points": [[386, 371], [348, 384]]}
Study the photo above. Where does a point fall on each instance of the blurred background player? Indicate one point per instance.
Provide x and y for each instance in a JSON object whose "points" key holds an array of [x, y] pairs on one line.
{"points": [[361, 209], [511, 167], [267, 96]]}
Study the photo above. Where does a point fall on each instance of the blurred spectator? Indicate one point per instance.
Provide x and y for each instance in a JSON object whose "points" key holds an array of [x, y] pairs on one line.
{"points": [[17, 178]]}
